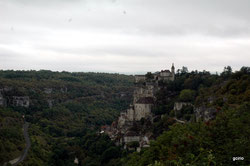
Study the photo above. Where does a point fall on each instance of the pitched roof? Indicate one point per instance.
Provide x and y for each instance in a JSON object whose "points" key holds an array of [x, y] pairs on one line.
{"points": [[131, 134], [168, 71], [145, 100]]}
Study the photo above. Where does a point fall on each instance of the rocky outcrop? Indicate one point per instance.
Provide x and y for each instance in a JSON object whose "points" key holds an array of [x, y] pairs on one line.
{"points": [[179, 105], [205, 113], [64, 90], [6, 98], [48, 90], [2, 100], [50, 103], [22, 101]]}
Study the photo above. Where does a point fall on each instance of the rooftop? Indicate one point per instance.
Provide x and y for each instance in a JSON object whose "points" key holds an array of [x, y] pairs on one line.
{"points": [[145, 100]]}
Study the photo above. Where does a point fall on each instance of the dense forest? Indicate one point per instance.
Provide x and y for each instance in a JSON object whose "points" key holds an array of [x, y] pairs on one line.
{"points": [[65, 112], [213, 142], [67, 109]]}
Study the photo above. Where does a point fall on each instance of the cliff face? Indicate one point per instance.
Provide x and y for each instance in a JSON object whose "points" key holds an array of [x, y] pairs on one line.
{"points": [[205, 113], [20, 101], [2, 100]]}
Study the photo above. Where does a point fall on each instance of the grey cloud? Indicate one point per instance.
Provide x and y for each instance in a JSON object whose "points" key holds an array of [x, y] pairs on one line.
{"points": [[148, 32], [145, 17], [126, 51]]}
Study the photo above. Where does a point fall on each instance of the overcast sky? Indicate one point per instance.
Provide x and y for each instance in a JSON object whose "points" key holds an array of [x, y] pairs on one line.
{"points": [[124, 36]]}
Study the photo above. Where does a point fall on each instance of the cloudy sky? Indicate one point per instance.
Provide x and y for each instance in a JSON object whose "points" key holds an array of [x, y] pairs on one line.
{"points": [[125, 36]]}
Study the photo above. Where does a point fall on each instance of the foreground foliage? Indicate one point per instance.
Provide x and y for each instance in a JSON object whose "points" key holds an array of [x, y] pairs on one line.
{"points": [[211, 143]]}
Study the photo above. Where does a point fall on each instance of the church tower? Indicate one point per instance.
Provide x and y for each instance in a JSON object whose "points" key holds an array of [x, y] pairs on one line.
{"points": [[173, 71]]}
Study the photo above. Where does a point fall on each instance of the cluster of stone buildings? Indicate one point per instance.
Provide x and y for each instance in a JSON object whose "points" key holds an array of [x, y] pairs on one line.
{"points": [[122, 130], [164, 75]]}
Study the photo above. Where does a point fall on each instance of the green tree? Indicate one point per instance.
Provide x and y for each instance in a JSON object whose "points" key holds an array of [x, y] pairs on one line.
{"points": [[227, 72], [149, 76], [187, 95]]}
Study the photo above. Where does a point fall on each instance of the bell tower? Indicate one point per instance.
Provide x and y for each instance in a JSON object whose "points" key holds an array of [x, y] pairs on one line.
{"points": [[173, 72]]}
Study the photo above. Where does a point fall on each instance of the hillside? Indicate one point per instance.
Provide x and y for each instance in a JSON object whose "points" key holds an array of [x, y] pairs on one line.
{"points": [[61, 107], [198, 118], [215, 116]]}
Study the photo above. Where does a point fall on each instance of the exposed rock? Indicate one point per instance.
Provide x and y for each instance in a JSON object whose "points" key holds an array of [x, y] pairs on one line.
{"points": [[211, 99], [2, 100], [205, 113], [123, 95], [22, 101], [179, 105], [76, 161], [6, 89], [64, 90], [50, 103], [48, 90]]}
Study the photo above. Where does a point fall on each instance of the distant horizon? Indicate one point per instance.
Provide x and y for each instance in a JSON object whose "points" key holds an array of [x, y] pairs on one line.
{"points": [[125, 73]]}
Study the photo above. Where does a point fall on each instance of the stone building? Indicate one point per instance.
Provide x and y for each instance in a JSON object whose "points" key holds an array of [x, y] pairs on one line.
{"points": [[142, 108], [140, 78], [146, 91], [131, 136], [164, 75]]}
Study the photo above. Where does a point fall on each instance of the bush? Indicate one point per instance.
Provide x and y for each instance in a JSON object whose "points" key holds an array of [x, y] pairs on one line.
{"points": [[187, 95]]}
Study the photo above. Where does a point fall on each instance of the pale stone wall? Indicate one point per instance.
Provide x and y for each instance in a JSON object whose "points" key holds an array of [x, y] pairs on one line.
{"points": [[143, 92], [128, 139], [130, 114], [142, 111], [165, 74], [139, 78], [121, 119], [178, 105], [168, 78]]}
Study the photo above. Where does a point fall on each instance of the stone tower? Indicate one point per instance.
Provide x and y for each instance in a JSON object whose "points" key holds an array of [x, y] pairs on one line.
{"points": [[173, 71]]}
